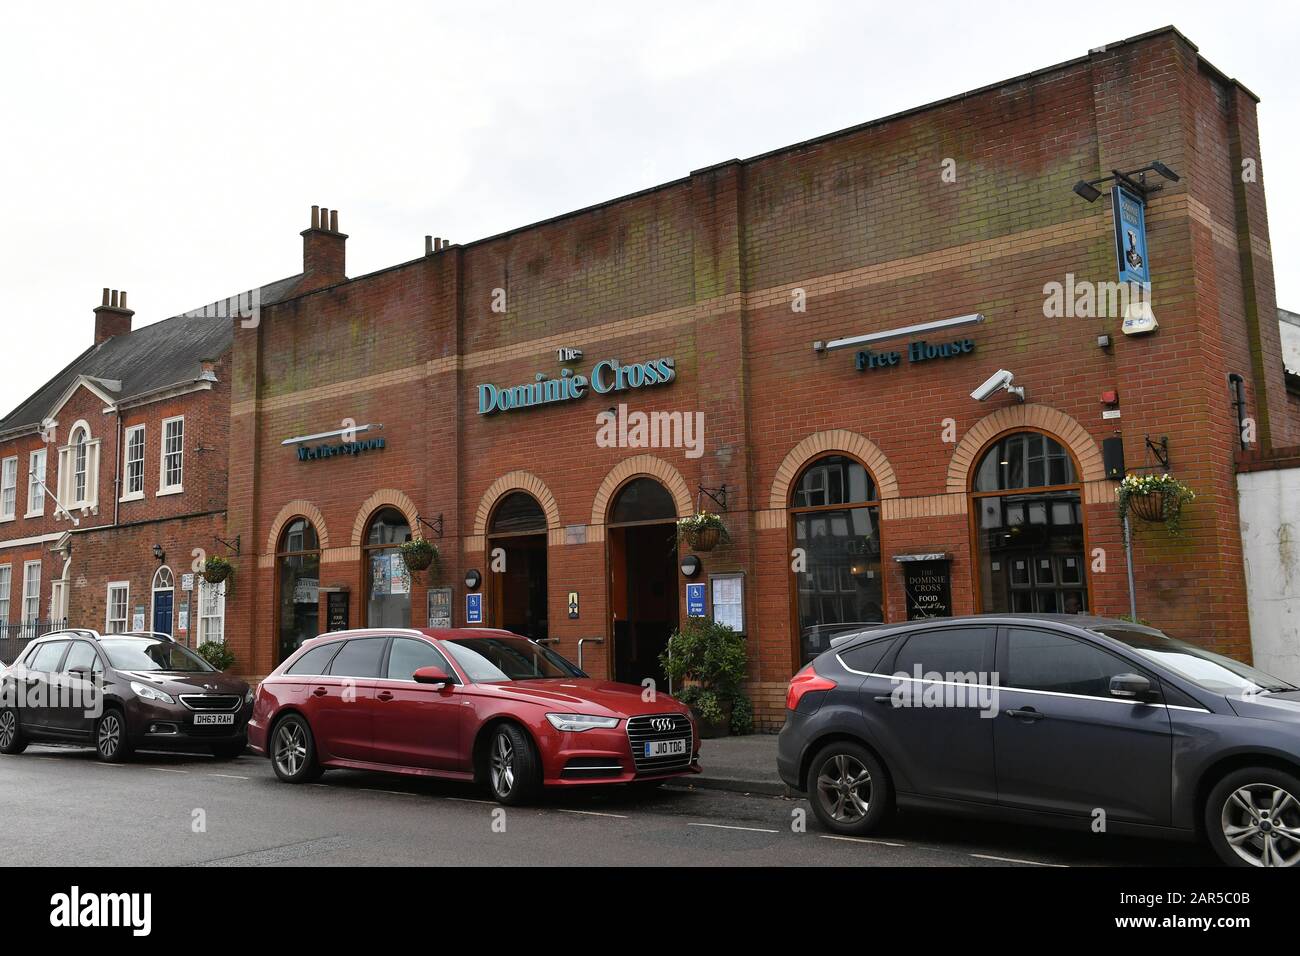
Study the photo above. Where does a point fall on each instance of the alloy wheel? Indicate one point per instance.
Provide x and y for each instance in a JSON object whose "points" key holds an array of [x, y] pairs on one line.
{"points": [[1261, 822], [503, 765], [8, 728], [844, 788], [110, 734], [290, 748]]}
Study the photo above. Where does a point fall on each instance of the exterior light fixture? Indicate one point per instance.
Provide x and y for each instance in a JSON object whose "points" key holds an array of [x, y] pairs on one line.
{"points": [[1087, 190], [1135, 180], [690, 566], [159, 554], [857, 341], [473, 579]]}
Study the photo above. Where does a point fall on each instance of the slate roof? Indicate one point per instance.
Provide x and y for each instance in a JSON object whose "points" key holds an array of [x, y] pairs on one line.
{"points": [[146, 359]]}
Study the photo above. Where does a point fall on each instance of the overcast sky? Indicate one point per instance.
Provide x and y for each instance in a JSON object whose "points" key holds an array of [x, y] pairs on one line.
{"points": [[174, 149]]}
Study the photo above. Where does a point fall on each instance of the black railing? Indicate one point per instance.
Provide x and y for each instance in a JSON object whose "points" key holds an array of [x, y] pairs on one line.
{"points": [[15, 637]]}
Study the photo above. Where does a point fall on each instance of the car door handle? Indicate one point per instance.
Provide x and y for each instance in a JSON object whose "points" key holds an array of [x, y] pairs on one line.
{"points": [[384, 695], [319, 692], [1024, 713], [884, 698]]}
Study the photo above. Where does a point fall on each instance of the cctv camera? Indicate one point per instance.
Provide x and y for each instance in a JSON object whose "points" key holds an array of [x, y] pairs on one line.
{"points": [[998, 380]]}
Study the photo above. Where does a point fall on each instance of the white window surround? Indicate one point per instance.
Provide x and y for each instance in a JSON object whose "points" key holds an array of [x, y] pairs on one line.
{"points": [[171, 458], [37, 467], [110, 606], [31, 609], [6, 584], [70, 472], [133, 444], [212, 612], [9, 488]]}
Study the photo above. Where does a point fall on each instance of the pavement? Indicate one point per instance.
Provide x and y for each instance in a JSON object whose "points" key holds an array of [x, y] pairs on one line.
{"points": [[64, 807], [741, 765]]}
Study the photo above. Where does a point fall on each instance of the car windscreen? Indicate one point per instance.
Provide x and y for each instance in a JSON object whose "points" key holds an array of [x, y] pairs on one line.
{"points": [[1205, 669], [494, 660], [151, 654]]}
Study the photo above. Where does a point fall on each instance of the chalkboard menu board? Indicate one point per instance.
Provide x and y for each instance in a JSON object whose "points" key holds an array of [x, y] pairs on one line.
{"points": [[336, 611], [928, 587]]}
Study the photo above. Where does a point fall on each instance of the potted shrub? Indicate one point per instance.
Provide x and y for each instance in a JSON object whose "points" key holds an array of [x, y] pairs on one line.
{"points": [[1154, 498], [216, 569], [418, 554], [702, 532], [708, 661], [217, 654]]}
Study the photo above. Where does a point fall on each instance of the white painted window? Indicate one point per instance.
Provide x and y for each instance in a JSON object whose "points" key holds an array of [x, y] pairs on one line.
{"points": [[173, 455], [8, 488], [119, 599], [134, 466], [36, 462], [31, 592], [6, 581], [79, 471], [212, 611]]}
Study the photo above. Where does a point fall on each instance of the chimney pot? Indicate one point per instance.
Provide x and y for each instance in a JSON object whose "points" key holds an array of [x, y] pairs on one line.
{"points": [[105, 295], [323, 252], [428, 244], [112, 317], [334, 220], [315, 217], [123, 302]]}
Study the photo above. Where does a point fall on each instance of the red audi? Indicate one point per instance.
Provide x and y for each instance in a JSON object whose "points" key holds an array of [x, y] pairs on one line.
{"points": [[464, 704]]}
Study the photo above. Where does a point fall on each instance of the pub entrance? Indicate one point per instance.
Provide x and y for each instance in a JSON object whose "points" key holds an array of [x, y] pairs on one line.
{"points": [[642, 547], [517, 566]]}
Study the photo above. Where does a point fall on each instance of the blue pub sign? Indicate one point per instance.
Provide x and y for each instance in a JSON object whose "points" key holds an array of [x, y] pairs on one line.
{"points": [[1129, 210]]}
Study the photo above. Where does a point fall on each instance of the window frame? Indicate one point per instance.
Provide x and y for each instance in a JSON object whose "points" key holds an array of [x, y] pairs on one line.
{"points": [[388, 653], [36, 492], [994, 633], [128, 436], [125, 587], [204, 589], [178, 487], [1002, 662], [6, 594], [8, 487], [28, 596]]}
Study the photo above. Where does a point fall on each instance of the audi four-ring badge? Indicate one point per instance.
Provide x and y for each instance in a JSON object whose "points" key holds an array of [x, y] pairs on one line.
{"points": [[472, 704]]}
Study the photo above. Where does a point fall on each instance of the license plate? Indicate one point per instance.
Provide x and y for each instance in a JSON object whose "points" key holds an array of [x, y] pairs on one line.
{"points": [[665, 748], [213, 720]]}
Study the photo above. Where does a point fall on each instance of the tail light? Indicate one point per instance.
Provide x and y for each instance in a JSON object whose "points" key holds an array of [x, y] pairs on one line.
{"points": [[802, 683]]}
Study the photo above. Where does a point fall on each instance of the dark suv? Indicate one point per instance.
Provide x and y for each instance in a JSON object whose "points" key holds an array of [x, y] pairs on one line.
{"points": [[121, 692], [1050, 719]]}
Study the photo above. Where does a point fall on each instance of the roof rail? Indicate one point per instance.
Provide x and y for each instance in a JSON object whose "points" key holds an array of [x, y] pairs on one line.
{"points": [[163, 634], [87, 631]]}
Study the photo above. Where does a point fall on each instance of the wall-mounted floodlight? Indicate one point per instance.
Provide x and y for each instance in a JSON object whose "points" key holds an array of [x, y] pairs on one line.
{"points": [[1135, 180], [871, 338]]}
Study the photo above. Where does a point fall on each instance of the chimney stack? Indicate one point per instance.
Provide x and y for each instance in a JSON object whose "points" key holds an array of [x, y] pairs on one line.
{"points": [[323, 251], [112, 317]]}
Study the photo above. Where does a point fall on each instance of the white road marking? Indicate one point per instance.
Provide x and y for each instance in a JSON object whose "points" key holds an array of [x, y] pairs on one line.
{"points": [[395, 793], [849, 839], [593, 813], [491, 803], [228, 776], [166, 770], [1007, 859], [719, 826]]}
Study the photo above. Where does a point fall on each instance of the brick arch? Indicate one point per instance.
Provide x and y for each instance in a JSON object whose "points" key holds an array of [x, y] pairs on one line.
{"points": [[651, 467], [383, 498], [1015, 418], [831, 442], [516, 481], [298, 508]]}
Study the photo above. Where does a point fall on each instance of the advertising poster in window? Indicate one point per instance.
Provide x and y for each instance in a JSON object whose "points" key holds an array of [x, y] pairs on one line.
{"points": [[399, 577], [438, 606]]}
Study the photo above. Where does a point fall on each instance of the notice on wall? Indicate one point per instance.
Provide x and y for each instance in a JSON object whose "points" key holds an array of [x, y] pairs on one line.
{"points": [[695, 597], [729, 602], [928, 588], [337, 605], [137, 618], [187, 582], [183, 618], [438, 607], [474, 608]]}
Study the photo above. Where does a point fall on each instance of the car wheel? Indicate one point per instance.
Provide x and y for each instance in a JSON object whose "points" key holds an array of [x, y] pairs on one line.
{"points": [[229, 751], [293, 751], [111, 743], [12, 740], [1252, 818], [849, 789], [514, 771]]}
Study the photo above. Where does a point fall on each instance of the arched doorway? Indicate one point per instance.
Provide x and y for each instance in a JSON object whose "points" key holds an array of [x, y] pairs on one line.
{"points": [[297, 576], [388, 582], [642, 545], [517, 596], [835, 525], [1026, 504], [164, 598]]}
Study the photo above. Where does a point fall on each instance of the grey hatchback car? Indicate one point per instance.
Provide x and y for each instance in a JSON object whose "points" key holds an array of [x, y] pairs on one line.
{"points": [[1060, 720]]}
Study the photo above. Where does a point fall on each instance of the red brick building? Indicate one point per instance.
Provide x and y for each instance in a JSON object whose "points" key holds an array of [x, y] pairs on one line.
{"points": [[485, 396]]}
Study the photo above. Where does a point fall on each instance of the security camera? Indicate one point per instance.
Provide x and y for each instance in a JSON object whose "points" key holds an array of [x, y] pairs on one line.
{"points": [[999, 381]]}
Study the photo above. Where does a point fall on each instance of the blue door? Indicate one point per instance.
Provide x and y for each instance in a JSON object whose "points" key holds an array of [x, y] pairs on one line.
{"points": [[162, 611]]}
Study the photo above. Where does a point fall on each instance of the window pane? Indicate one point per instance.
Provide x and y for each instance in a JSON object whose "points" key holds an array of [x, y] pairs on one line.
{"points": [[388, 527], [866, 657], [1044, 660], [299, 611], [843, 581], [316, 661], [518, 513], [47, 658], [947, 651], [833, 480], [82, 655], [299, 536], [1025, 460], [1025, 564], [408, 656], [643, 499], [359, 658]]}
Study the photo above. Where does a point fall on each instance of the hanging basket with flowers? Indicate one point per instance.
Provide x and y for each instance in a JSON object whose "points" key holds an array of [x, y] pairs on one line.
{"points": [[216, 569], [702, 532], [1154, 498], [418, 554]]}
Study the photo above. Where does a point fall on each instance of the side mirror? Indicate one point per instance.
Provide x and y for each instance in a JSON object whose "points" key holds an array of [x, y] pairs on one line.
{"points": [[83, 673], [1130, 686], [431, 675]]}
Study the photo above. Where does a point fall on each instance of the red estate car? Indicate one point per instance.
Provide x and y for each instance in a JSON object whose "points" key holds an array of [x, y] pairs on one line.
{"points": [[464, 704]]}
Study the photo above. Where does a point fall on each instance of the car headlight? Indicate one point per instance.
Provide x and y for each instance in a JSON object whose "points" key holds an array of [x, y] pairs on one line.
{"points": [[151, 693], [580, 722]]}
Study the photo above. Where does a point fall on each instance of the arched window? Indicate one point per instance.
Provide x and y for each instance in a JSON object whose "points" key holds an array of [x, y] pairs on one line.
{"points": [[642, 499], [835, 522], [163, 600], [80, 466], [388, 590], [297, 563], [518, 513], [1026, 499]]}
